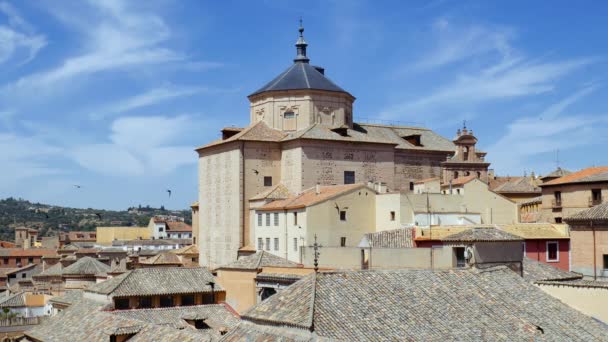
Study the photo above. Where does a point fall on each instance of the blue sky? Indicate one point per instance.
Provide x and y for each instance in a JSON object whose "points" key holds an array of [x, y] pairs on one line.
{"points": [[114, 96]]}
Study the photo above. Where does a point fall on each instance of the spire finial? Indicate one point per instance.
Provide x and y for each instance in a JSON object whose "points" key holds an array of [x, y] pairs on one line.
{"points": [[464, 124], [316, 246], [301, 46]]}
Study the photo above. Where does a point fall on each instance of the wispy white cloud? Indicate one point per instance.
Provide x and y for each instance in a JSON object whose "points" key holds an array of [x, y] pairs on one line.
{"points": [[18, 35], [138, 146], [148, 98], [499, 73], [554, 128]]}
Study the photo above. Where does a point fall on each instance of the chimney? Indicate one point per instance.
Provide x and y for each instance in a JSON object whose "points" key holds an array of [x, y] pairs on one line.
{"points": [[318, 189]]}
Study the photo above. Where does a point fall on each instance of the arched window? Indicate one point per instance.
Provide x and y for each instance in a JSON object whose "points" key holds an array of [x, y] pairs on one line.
{"points": [[467, 173], [478, 174], [455, 174]]}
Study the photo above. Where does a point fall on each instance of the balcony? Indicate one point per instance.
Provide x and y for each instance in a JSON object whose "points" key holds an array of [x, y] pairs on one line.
{"points": [[556, 203], [594, 201]]}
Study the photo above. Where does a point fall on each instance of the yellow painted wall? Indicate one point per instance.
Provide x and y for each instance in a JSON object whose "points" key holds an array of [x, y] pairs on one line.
{"points": [[590, 301], [239, 286], [105, 235]]}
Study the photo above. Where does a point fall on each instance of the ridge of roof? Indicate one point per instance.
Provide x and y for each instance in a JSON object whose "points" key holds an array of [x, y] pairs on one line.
{"points": [[302, 200], [597, 213], [590, 174]]}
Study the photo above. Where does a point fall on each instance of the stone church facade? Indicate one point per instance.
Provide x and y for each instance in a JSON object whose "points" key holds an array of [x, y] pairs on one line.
{"points": [[301, 134]]}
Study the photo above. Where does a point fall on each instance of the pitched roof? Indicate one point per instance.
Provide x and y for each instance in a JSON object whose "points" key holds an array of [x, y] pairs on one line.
{"points": [[427, 180], [588, 175], [559, 172], [259, 131], [85, 321], [163, 258], [537, 271], [157, 281], [460, 180], [519, 185], [536, 230], [178, 226], [192, 249], [598, 213], [414, 304], [215, 315], [52, 271], [86, 266], [438, 234], [30, 252], [258, 260], [13, 301], [477, 234], [395, 238], [278, 191], [68, 298], [300, 76], [310, 197]]}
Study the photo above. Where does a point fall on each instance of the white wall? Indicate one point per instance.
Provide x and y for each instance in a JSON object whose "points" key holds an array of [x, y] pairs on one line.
{"points": [[286, 231], [447, 219]]}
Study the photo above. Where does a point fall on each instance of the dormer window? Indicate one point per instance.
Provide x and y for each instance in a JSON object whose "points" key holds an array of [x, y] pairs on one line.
{"points": [[343, 130], [413, 139]]}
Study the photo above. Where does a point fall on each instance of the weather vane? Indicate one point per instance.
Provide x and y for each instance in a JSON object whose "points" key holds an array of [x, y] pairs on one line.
{"points": [[316, 246]]}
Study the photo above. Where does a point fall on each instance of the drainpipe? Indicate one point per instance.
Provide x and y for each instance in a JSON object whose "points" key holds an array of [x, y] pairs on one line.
{"points": [[243, 237], [286, 237], [594, 255]]}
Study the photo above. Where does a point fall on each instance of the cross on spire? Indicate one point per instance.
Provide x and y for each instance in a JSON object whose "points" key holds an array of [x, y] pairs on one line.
{"points": [[316, 246]]}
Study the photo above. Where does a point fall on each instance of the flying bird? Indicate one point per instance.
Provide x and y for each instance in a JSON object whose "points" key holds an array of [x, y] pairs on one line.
{"points": [[256, 171], [169, 191], [77, 186]]}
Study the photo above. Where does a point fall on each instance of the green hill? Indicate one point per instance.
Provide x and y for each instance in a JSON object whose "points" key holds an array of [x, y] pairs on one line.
{"points": [[50, 219]]}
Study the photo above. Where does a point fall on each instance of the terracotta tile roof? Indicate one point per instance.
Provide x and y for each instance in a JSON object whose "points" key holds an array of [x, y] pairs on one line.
{"points": [[493, 304], [599, 213], [460, 181], [86, 266], [256, 132], [68, 298], [537, 271], [13, 301], [192, 249], [177, 226], [437, 234], [31, 252], [310, 197], [531, 231], [278, 191], [591, 174], [163, 258], [53, 271], [538, 199], [157, 281], [258, 260], [214, 315], [482, 234], [395, 238], [85, 321], [520, 185], [7, 244], [278, 277]]}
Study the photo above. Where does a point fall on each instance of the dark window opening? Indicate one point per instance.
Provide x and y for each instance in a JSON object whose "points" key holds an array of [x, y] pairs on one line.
{"points": [[23, 275], [392, 216], [596, 196], [267, 181], [411, 186], [552, 248], [343, 131], [455, 174], [6, 261], [413, 139], [188, 300], [30, 260], [606, 261], [145, 302], [208, 298], [460, 259], [342, 215], [343, 241], [201, 325], [295, 218], [558, 220], [289, 115], [267, 292], [166, 301], [349, 177], [121, 303], [478, 174]]}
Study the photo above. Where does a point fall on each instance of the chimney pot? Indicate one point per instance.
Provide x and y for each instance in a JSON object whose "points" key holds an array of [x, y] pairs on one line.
{"points": [[318, 188]]}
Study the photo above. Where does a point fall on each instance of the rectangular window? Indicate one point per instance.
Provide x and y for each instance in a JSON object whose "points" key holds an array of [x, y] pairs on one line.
{"points": [[30, 260], [606, 261], [267, 244], [596, 194], [6, 261], [260, 220], [343, 241], [187, 300], [295, 244], [289, 115], [267, 181], [276, 244], [552, 251], [260, 244], [392, 216], [342, 215], [267, 219], [558, 196], [145, 302], [295, 218], [459, 256], [121, 303], [558, 220], [276, 219], [160, 229], [166, 301], [349, 177]]}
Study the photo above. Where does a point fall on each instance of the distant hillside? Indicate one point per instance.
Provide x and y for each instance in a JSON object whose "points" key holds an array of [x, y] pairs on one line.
{"points": [[50, 220]]}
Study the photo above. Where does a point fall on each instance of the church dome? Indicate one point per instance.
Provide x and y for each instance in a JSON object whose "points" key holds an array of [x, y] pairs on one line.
{"points": [[301, 75]]}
